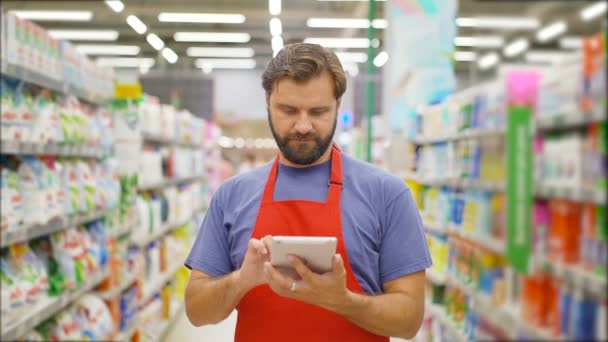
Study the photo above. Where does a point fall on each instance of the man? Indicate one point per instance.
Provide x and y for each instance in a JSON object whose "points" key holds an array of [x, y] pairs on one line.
{"points": [[376, 287]]}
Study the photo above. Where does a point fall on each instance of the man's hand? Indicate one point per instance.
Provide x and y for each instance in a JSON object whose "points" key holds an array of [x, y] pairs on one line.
{"points": [[250, 274], [326, 290]]}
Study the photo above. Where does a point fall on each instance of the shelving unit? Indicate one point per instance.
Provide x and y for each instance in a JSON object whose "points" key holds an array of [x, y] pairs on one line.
{"points": [[20, 323], [169, 182], [472, 133], [438, 312], [21, 73], [157, 139], [436, 278], [31, 232], [126, 283], [125, 336], [23, 148], [162, 232], [569, 121], [154, 286], [163, 328]]}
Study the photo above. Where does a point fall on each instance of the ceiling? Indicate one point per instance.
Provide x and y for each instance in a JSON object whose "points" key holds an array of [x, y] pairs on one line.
{"points": [[293, 16]]}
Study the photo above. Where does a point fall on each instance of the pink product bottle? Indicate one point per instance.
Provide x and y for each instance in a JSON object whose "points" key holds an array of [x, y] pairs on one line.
{"points": [[540, 228]]}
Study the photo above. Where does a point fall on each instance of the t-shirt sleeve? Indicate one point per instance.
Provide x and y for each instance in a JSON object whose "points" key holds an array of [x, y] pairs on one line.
{"points": [[210, 253], [403, 248]]}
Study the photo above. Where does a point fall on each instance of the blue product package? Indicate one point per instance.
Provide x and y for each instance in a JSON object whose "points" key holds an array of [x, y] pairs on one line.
{"points": [[584, 321], [458, 208], [565, 300]]}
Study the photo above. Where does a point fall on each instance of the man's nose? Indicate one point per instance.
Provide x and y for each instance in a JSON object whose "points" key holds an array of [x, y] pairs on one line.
{"points": [[303, 125]]}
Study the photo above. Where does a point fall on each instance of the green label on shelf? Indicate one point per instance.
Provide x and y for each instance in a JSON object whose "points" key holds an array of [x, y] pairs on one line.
{"points": [[519, 187]]}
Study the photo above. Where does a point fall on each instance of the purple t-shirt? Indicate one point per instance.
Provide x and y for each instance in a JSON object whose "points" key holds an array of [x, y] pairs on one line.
{"points": [[381, 225]]}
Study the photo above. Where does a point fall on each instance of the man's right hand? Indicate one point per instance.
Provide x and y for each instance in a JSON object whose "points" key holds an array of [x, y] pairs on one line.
{"points": [[251, 273]]}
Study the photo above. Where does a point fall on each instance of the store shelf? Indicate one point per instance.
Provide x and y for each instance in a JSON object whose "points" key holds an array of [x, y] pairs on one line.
{"points": [[21, 73], [435, 277], [165, 326], [125, 336], [158, 139], [438, 312], [472, 133], [575, 274], [31, 232], [493, 245], [122, 230], [126, 283], [569, 119], [456, 182], [169, 182], [23, 148], [17, 325], [155, 285], [572, 194], [162, 232], [435, 228]]}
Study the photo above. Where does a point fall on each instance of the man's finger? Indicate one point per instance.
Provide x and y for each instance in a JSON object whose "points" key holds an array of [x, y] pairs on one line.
{"points": [[258, 246], [338, 266], [276, 278], [300, 267]]}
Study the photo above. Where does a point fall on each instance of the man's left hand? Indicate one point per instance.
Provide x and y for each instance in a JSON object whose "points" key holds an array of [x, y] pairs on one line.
{"points": [[326, 290]]}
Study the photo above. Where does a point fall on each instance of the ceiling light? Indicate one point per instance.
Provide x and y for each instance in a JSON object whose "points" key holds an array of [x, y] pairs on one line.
{"points": [[277, 43], [276, 28], [84, 34], [108, 49], [345, 23], [223, 37], [125, 62], [143, 69], [155, 41], [136, 24], [225, 63], [169, 55], [116, 5], [352, 57], [593, 11], [381, 59], [54, 15], [351, 68], [220, 52], [218, 18], [274, 7], [516, 47], [464, 56], [507, 23], [488, 61], [551, 31], [546, 57], [571, 42], [481, 41], [339, 42]]}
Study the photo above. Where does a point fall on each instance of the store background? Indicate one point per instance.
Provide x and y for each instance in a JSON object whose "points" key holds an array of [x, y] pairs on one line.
{"points": [[114, 140]]}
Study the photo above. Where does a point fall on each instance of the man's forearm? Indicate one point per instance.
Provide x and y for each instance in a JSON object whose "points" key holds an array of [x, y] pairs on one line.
{"points": [[392, 314], [211, 300]]}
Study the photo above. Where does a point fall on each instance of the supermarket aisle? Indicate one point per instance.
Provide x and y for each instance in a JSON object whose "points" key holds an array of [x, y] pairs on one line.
{"points": [[186, 332]]}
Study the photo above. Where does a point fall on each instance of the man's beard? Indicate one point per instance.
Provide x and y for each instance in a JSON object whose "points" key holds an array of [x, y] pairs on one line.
{"points": [[307, 152]]}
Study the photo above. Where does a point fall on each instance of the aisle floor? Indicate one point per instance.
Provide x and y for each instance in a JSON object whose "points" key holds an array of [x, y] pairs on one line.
{"points": [[183, 331]]}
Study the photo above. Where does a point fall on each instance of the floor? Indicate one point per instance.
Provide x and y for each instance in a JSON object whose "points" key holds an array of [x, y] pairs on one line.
{"points": [[183, 331]]}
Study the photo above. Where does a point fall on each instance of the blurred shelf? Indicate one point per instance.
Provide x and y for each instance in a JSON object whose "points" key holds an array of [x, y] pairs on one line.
{"points": [[23, 148], [165, 326], [435, 277], [16, 325], [169, 182], [125, 284], [456, 182], [29, 76], [154, 286], [577, 275], [471, 133], [160, 233], [31, 232], [572, 194], [122, 230], [126, 335], [435, 228], [569, 119], [493, 245], [158, 139], [438, 312]]}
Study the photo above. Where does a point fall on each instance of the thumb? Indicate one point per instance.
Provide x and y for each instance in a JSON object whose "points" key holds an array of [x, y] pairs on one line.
{"points": [[338, 263]]}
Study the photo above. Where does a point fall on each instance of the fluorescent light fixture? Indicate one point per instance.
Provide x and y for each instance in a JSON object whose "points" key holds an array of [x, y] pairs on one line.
{"points": [[155, 41], [216, 18], [381, 59], [276, 28], [345, 23], [277, 43], [91, 49], [125, 62], [571, 42], [464, 56], [481, 41], [345, 43], [551, 31], [274, 7], [169, 55], [593, 11], [234, 52], [216, 37], [351, 57], [84, 34], [516, 47], [54, 15], [351, 68], [116, 5], [225, 63], [546, 57], [506, 23], [136, 24], [489, 60]]}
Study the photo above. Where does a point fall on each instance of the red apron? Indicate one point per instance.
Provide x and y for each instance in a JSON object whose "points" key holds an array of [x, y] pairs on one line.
{"points": [[266, 316]]}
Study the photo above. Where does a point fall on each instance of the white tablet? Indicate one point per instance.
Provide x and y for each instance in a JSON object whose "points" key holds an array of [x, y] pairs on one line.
{"points": [[316, 251]]}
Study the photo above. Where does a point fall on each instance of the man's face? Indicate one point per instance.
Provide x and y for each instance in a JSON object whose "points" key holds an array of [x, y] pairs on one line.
{"points": [[303, 117]]}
